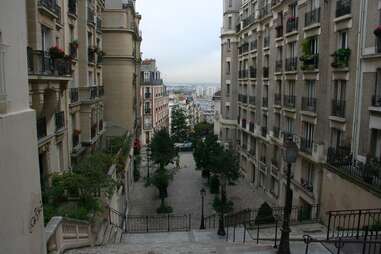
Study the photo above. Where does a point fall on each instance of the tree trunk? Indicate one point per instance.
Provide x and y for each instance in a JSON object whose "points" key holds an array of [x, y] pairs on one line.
{"points": [[221, 226]]}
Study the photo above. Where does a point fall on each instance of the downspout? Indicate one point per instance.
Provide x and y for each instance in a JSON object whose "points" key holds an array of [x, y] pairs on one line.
{"points": [[359, 77]]}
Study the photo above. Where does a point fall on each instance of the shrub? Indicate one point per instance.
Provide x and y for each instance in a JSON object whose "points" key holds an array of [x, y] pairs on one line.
{"points": [[265, 215]]}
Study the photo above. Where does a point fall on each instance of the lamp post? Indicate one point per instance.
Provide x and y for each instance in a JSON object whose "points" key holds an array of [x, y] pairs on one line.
{"points": [[290, 155], [202, 192]]}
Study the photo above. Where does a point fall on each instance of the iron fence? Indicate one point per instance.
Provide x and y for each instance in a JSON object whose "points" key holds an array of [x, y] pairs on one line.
{"points": [[158, 223]]}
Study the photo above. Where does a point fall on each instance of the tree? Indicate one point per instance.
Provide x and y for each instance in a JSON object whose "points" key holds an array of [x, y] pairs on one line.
{"points": [[204, 150], [265, 215], [202, 130], [179, 127]]}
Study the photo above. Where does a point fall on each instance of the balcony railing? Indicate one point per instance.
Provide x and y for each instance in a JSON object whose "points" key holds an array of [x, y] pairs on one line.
{"points": [[51, 5], [376, 100], [248, 21], [338, 108], [252, 127], [253, 72], [265, 72], [292, 24], [244, 48], [264, 131], [343, 7], [242, 98], [147, 95], [278, 65], [265, 102], [278, 99], [312, 17], [99, 25], [41, 128], [310, 62], [252, 100], [253, 45], [292, 64], [72, 7], [309, 104], [91, 55], [73, 50], [90, 16], [41, 63], [289, 101], [276, 131], [264, 11], [74, 94], [75, 139], [306, 145], [60, 120], [243, 74], [243, 123], [341, 58]]}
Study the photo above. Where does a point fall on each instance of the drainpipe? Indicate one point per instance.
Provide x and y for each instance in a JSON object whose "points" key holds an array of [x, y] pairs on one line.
{"points": [[359, 77]]}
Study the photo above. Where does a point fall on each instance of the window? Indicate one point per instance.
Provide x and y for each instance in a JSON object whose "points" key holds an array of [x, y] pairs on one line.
{"points": [[294, 9], [230, 22], [336, 138], [230, 3], [229, 43], [71, 28], [46, 38], [60, 156], [227, 89], [90, 77], [308, 132], [314, 4], [147, 108], [289, 125], [292, 49], [314, 45], [343, 39], [290, 88], [339, 90], [2, 71], [228, 67], [310, 88]]}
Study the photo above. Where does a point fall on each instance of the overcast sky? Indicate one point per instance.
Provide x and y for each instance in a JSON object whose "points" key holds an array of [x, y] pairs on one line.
{"points": [[183, 36]]}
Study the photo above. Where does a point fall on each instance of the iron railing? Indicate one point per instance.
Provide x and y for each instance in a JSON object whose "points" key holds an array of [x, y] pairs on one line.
{"points": [[99, 25], [41, 63], [310, 62], [248, 21], [90, 16], [276, 131], [279, 65], [264, 11], [343, 7], [292, 24], [91, 55], [60, 120], [338, 108], [73, 51], [253, 45], [41, 128], [72, 7], [289, 101], [253, 72], [252, 100], [74, 94], [291, 64], [158, 223], [306, 145], [312, 17], [51, 5], [309, 104]]}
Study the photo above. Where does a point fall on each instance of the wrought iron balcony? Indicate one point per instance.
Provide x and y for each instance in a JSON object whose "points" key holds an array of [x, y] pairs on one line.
{"points": [[252, 127], [312, 17], [338, 108], [276, 131], [244, 48], [310, 62], [278, 99], [41, 128], [147, 95], [51, 5], [291, 64], [41, 63], [99, 25], [60, 120], [253, 72], [253, 45], [73, 50], [306, 145], [292, 24], [90, 16], [376, 100], [279, 65], [309, 104], [289, 101], [91, 55], [248, 21], [74, 94], [252, 100], [72, 7], [264, 11], [343, 7]]}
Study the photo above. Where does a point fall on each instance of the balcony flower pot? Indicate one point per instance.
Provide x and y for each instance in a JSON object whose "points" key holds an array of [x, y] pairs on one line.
{"points": [[56, 52], [341, 58], [377, 31], [291, 19]]}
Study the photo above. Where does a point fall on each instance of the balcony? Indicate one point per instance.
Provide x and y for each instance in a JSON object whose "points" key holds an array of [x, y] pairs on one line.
{"points": [[91, 55], [243, 123], [251, 127], [289, 101], [265, 102], [264, 11], [310, 62], [248, 21], [90, 16], [88, 93], [276, 131], [265, 72], [74, 95], [147, 111], [41, 128], [338, 108], [50, 5], [306, 145], [99, 25], [253, 45], [376, 100], [75, 139], [59, 120], [277, 99], [307, 185], [253, 72], [292, 24], [279, 65], [264, 131], [312, 17], [41, 63], [243, 74], [73, 47], [343, 7], [252, 100], [309, 104], [72, 7], [244, 48], [341, 58], [242, 98], [292, 64]]}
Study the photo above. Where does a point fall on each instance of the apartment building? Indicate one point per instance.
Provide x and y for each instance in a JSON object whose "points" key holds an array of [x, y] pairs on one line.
{"points": [[298, 75], [229, 71], [155, 100], [22, 223], [121, 70]]}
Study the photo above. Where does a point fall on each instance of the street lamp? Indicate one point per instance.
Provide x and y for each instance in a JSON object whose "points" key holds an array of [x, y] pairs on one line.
{"points": [[290, 155], [203, 193]]}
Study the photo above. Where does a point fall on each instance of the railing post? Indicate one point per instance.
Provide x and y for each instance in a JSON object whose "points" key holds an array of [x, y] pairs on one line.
{"points": [[168, 223], [234, 233], [258, 233], [365, 238], [329, 224], [276, 233], [227, 232], [77, 231], [244, 232], [358, 225], [147, 223]]}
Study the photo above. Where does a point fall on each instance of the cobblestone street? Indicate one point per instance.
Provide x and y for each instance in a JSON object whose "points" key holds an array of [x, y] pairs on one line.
{"points": [[184, 193]]}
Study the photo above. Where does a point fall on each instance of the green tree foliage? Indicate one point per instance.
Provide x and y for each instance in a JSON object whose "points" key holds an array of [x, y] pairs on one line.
{"points": [[265, 215], [180, 129], [161, 179], [204, 151], [163, 149], [214, 185], [202, 130]]}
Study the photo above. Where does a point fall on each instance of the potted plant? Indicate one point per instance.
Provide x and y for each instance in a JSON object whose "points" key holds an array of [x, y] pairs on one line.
{"points": [[341, 58], [56, 52], [291, 18], [74, 44], [377, 31]]}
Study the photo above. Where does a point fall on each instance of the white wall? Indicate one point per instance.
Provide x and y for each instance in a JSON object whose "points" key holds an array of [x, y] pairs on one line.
{"points": [[21, 217]]}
